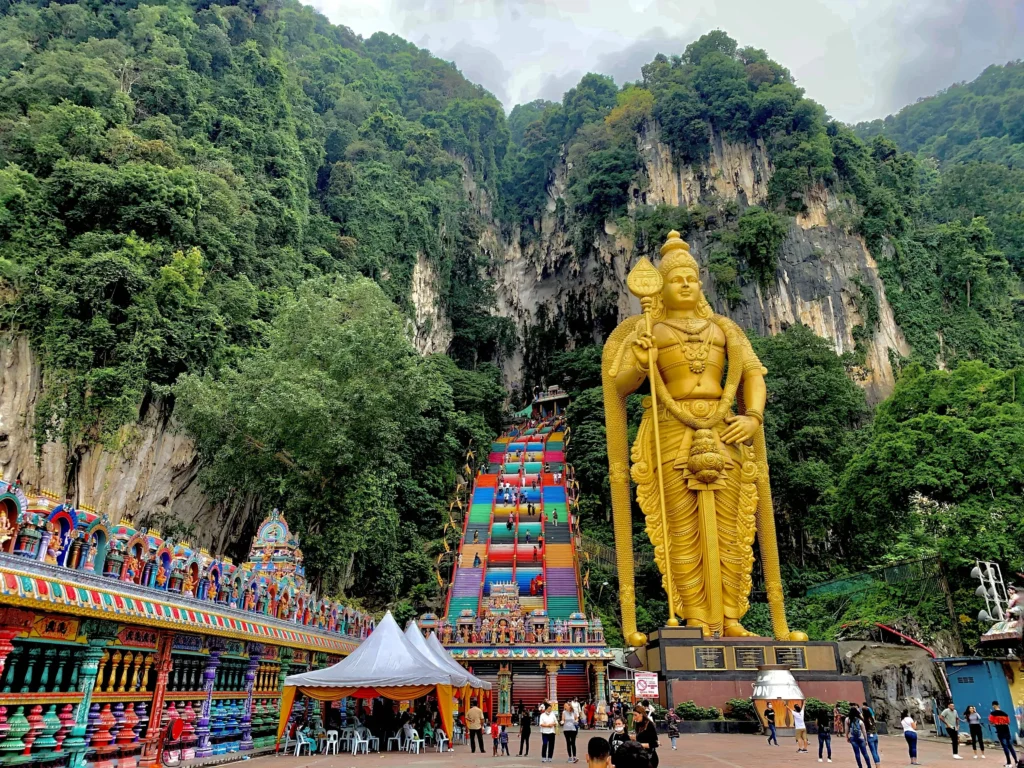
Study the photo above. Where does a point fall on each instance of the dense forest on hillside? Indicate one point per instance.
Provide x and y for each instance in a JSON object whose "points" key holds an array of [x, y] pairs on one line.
{"points": [[218, 208]]}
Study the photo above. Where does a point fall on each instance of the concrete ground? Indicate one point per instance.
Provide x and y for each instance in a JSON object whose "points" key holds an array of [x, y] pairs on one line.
{"points": [[720, 751]]}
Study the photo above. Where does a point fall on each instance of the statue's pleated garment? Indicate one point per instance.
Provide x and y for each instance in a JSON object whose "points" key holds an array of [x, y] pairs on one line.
{"points": [[711, 526]]}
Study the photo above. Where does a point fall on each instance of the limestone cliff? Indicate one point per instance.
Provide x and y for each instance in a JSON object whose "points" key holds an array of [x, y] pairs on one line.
{"points": [[150, 475], [825, 277]]}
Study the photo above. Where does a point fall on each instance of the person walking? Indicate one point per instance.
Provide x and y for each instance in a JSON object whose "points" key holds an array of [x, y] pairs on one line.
{"points": [[548, 724], [646, 733], [554, 517], [673, 727], [868, 716], [570, 727], [974, 725], [503, 739], [837, 721], [910, 734], [799, 728], [495, 736], [525, 726], [1001, 722], [769, 716], [824, 721], [951, 720], [475, 725], [857, 736]]}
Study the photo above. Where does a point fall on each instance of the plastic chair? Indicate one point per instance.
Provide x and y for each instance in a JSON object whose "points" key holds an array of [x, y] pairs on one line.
{"points": [[360, 742], [415, 742], [399, 743], [300, 742], [441, 741], [332, 743], [373, 741]]}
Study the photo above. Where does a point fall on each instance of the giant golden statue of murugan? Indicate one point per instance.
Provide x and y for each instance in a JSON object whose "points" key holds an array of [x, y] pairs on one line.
{"points": [[701, 469]]}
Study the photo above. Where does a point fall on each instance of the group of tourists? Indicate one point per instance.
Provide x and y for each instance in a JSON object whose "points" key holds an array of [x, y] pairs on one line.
{"points": [[951, 719], [641, 747], [858, 725]]}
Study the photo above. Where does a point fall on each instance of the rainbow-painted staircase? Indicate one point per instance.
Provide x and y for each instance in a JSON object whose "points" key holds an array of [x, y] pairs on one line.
{"points": [[504, 541]]}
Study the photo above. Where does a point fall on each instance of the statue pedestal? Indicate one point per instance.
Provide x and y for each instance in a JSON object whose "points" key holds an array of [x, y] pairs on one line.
{"points": [[710, 671]]}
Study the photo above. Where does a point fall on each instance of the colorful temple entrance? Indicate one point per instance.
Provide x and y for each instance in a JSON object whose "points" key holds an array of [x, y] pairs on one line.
{"points": [[108, 633], [515, 614]]}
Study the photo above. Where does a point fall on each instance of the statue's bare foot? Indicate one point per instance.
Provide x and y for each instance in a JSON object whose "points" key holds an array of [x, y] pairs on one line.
{"points": [[797, 636], [737, 630]]}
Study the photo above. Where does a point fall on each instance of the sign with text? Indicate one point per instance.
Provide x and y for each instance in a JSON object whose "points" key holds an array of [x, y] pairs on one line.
{"points": [[750, 657], [709, 657], [646, 685]]}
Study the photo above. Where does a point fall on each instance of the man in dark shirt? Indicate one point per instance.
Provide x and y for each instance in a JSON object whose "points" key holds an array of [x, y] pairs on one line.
{"points": [[769, 715], [1001, 721]]}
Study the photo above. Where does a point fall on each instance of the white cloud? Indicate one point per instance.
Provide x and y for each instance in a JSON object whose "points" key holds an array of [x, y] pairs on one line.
{"points": [[860, 58]]}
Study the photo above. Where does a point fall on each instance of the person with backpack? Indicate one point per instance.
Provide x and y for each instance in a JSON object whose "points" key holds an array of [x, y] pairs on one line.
{"points": [[824, 721], [1001, 722], [868, 716], [857, 736]]}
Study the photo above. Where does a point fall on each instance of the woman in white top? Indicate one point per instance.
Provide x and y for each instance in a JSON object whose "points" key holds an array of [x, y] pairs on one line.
{"points": [[548, 724], [910, 734], [569, 729]]}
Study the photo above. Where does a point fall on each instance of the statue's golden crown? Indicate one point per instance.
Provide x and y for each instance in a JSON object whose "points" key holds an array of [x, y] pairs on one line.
{"points": [[675, 253]]}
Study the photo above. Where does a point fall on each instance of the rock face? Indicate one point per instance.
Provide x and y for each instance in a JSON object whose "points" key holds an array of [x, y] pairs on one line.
{"points": [[431, 329], [826, 279], [150, 475], [901, 677]]}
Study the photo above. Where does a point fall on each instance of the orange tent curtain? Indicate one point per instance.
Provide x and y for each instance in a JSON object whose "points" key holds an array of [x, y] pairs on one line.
{"points": [[445, 694]]}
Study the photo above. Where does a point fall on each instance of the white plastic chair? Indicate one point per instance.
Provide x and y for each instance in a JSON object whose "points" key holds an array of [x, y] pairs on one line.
{"points": [[331, 746], [360, 742], [288, 742], [373, 741], [300, 742], [399, 742], [415, 742], [441, 741]]}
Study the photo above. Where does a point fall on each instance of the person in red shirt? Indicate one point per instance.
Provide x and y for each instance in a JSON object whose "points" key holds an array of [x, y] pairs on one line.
{"points": [[1001, 722], [496, 735]]}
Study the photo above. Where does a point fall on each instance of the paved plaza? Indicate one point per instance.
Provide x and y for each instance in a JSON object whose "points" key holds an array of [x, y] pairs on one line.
{"points": [[694, 750]]}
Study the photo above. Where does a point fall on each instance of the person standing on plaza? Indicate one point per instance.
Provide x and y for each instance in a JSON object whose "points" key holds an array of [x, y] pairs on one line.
{"points": [[974, 724], [769, 716], [570, 727], [910, 734], [548, 725], [868, 716], [646, 733], [495, 736], [619, 733], [857, 736], [799, 728], [475, 726], [1001, 722], [824, 721], [951, 720], [837, 721], [673, 727], [525, 727]]}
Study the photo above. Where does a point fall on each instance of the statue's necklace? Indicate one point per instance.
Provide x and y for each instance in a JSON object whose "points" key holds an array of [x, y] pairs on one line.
{"points": [[697, 348]]}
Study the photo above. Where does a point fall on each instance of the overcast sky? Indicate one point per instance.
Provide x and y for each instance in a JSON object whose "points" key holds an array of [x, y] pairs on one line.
{"points": [[861, 59]]}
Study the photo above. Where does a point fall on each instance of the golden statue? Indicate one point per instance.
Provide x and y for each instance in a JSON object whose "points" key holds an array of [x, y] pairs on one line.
{"points": [[701, 470]]}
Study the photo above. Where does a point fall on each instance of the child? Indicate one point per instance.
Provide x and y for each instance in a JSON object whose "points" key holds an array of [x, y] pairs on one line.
{"points": [[503, 738], [495, 735]]}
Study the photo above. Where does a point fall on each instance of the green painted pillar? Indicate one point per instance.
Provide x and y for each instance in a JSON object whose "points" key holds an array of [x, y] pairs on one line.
{"points": [[99, 633]]}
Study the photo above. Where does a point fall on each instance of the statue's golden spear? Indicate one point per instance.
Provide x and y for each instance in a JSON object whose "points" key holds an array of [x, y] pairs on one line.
{"points": [[645, 281]]}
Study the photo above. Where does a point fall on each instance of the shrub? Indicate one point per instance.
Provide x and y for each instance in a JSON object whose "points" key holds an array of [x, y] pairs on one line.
{"points": [[740, 709], [814, 707], [690, 711]]}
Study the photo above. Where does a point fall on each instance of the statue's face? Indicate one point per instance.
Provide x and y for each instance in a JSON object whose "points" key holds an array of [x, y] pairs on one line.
{"points": [[681, 289]]}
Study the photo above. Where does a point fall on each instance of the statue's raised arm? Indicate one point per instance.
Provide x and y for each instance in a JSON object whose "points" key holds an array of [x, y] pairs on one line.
{"points": [[699, 460]]}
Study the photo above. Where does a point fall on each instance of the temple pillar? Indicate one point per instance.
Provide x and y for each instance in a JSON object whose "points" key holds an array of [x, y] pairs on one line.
{"points": [[255, 652], [552, 668], [203, 748], [99, 633], [599, 680], [504, 695], [153, 741]]}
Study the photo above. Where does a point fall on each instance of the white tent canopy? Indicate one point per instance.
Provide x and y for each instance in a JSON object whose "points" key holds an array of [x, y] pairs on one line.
{"points": [[446, 659], [385, 658], [414, 635]]}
